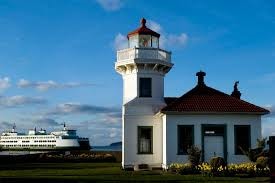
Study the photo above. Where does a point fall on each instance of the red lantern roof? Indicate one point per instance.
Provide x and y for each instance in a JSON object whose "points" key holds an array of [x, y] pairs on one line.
{"points": [[143, 30]]}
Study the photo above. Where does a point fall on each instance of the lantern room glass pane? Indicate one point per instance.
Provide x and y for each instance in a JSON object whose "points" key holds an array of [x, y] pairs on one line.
{"points": [[133, 41], [155, 42], [144, 41]]}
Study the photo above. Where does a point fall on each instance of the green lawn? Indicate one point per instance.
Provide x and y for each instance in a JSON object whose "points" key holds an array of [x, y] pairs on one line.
{"points": [[98, 172]]}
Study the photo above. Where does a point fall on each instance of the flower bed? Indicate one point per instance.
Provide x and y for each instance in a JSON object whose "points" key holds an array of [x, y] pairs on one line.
{"points": [[243, 169]]}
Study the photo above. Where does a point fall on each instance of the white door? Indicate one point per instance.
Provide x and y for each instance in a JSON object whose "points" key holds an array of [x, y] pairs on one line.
{"points": [[213, 146]]}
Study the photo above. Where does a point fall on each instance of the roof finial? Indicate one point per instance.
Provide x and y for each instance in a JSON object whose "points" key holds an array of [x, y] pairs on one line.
{"points": [[236, 86], [64, 125], [236, 93], [201, 75], [13, 127], [143, 22]]}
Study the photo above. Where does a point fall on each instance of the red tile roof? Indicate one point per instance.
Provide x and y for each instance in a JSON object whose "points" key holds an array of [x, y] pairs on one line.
{"points": [[169, 100], [205, 99], [143, 30]]}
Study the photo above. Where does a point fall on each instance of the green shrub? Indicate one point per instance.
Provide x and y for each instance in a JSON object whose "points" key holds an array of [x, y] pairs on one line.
{"points": [[183, 169], [204, 169], [217, 162], [253, 154], [194, 155], [187, 169], [248, 169], [232, 170], [262, 162], [261, 143]]}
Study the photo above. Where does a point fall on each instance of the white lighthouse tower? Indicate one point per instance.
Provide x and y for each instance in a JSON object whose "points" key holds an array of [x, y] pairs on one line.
{"points": [[143, 66]]}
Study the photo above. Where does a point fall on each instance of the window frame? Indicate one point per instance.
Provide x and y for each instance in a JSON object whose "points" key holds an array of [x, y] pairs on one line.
{"points": [[139, 128], [178, 138], [235, 138], [140, 88]]}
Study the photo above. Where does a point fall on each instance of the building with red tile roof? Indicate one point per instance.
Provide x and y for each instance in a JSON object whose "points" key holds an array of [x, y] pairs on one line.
{"points": [[158, 130]]}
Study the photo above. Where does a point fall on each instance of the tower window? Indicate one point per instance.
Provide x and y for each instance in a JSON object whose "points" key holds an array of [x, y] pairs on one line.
{"points": [[145, 87], [145, 139], [242, 138]]}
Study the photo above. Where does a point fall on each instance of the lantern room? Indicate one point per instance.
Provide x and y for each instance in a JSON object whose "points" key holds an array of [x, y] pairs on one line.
{"points": [[143, 37]]}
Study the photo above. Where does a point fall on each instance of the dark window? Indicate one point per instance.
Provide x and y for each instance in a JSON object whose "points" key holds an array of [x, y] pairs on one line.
{"points": [[242, 138], [185, 138], [145, 139], [145, 87]]}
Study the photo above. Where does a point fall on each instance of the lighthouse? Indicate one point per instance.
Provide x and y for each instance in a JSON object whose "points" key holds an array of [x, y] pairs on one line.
{"points": [[143, 66], [158, 131]]}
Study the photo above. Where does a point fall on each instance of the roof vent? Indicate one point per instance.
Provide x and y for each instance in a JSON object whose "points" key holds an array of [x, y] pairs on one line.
{"points": [[201, 75], [236, 93]]}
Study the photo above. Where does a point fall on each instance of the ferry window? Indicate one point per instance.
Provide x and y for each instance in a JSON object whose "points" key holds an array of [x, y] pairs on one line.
{"points": [[145, 139], [242, 138], [185, 138], [145, 87]]}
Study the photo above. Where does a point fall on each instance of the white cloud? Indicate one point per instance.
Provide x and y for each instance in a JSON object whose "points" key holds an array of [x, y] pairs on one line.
{"points": [[177, 40], [264, 79], [4, 83], [99, 131], [4, 125], [19, 100], [271, 109], [167, 40], [46, 122], [73, 108], [114, 132], [269, 77], [268, 122], [268, 127], [110, 5], [121, 42], [46, 85], [154, 26]]}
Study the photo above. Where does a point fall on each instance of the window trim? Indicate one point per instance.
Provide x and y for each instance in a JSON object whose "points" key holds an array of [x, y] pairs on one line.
{"points": [[235, 138], [151, 87], [178, 138], [138, 141]]}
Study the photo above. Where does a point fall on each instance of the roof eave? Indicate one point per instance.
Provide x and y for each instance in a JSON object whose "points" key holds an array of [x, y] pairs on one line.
{"points": [[143, 33], [209, 112]]}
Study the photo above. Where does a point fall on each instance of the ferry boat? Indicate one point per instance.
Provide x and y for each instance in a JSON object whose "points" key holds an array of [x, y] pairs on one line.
{"points": [[65, 139]]}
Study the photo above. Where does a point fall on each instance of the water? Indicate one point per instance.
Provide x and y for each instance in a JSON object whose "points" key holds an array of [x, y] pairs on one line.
{"points": [[106, 148], [14, 153], [94, 148]]}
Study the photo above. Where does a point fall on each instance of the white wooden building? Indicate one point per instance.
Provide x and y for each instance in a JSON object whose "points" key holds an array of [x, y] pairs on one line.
{"points": [[158, 130]]}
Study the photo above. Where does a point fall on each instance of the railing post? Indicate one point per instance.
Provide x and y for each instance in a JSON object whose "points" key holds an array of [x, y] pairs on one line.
{"points": [[149, 53]]}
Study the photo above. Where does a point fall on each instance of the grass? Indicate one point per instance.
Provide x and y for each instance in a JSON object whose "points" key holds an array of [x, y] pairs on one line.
{"points": [[99, 172]]}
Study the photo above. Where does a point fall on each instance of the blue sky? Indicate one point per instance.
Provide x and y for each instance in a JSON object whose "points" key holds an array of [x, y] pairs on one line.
{"points": [[57, 57]]}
